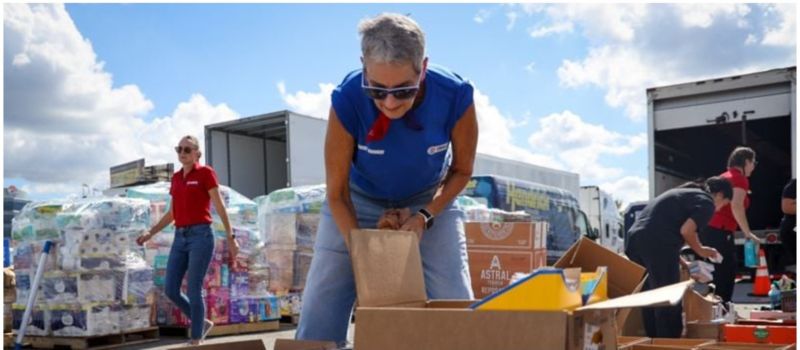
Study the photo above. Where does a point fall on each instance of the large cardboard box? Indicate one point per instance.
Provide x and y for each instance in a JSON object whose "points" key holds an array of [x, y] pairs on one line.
{"points": [[394, 313], [499, 250]]}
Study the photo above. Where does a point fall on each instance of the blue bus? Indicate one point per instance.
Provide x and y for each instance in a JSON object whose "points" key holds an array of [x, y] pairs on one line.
{"points": [[556, 206]]}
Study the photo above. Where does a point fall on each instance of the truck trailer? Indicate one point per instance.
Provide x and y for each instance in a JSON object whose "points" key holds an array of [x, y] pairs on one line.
{"points": [[693, 127]]}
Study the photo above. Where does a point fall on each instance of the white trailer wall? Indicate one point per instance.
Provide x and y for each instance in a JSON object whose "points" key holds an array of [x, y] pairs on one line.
{"points": [[306, 138], [247, 158]]}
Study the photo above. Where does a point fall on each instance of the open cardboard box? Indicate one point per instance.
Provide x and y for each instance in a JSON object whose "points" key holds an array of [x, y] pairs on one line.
{"points": [[395, 313], [625, 277]]}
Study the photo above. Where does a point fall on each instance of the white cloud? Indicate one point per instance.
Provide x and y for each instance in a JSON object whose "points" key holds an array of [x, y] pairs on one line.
{"points": [[643, 47], [314, 104], [600, 21], [65, 121], [512, 19], [494, 136], [530, 67], [628, 189], [580, 145], [621, 71], [786, 33], [703, 15], [482, 16], [562, 27]]}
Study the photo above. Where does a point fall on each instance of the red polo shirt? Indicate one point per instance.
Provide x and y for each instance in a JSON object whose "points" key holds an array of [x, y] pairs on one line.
{"points": [[723, 219], [191, 203]]}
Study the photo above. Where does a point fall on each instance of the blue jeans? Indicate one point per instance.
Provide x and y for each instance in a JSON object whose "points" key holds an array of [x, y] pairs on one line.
{"points": [[330, 291], [191, 250]]}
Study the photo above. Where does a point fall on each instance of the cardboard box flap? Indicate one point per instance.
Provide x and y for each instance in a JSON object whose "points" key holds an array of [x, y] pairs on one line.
{"points": [[624, 276], [291, 344], [667, 295], [387, 267]]}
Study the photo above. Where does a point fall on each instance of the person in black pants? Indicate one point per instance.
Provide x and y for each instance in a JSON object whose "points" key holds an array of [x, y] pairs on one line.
{"points": [[659, 233], [719, 233], [789, 224]]}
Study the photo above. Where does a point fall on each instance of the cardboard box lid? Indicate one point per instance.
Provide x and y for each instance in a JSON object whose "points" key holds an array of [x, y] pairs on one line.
{"points": [[253, 344], [624, 276], [664, 296], [387, 268]]}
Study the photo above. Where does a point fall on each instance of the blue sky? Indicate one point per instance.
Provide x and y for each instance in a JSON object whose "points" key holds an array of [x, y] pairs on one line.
{"points": [[88, 86]]}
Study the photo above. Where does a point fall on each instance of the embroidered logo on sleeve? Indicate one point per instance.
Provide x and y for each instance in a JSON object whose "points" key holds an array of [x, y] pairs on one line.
{"points": [[438, 148], [378, 152]]}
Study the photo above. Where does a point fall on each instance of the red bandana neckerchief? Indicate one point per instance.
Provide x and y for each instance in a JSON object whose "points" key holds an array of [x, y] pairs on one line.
{"points": [[379, 128]]}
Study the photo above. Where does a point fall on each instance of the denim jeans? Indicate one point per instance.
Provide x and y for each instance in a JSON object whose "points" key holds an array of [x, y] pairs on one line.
{"points": [[330, 291], [191, 251]]}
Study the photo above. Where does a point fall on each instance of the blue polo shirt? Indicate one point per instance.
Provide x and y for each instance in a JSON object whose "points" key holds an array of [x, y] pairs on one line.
{"points": [[415, 153]]}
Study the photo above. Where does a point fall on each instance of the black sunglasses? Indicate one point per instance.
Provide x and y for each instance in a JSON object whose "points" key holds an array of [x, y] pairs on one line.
{"points": [[186, 150], [378, 93]]}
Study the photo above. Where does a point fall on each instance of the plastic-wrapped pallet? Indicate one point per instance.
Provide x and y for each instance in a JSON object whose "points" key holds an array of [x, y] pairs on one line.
{"points": [[222, 281], [288, 217], [37, 221]]}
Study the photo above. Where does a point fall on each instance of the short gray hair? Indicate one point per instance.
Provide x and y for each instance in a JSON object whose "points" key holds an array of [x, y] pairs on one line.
{"points": [[392, 38]]}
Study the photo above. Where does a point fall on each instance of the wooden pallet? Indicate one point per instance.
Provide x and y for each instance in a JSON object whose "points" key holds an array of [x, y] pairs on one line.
{"points": [[225, 329], [291, 319], [10, 338], [110, 341]]}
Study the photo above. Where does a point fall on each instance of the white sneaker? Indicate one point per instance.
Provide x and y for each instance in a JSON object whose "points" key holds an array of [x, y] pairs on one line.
{"points": [[207, 326]]}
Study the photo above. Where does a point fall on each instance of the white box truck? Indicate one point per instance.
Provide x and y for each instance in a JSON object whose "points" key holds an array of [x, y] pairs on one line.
{"points": [[693, 127], [259, 154], [604, 217]]}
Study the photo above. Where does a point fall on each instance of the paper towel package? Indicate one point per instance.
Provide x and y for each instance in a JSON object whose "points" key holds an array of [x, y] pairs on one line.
{"points": [[84, 320], [60, 287], [99, 287], [39, 323]]}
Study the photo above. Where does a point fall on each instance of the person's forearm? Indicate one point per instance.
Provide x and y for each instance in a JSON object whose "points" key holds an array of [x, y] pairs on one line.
{"points": [[451, 187], [223, 214], [344, 215], [694, 242], [165, 220], [741, 218]]}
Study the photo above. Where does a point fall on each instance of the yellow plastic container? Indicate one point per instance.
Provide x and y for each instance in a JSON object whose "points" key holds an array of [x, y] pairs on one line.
{"points": [[549, 289]]}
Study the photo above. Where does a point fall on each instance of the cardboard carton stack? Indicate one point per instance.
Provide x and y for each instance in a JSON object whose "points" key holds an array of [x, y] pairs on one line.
{"points": [[234, 293], [288, 219], [96, 280], [500, 244]]}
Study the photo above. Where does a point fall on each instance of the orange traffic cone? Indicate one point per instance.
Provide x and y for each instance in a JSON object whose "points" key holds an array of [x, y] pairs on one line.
{"points": [[761, 284]]}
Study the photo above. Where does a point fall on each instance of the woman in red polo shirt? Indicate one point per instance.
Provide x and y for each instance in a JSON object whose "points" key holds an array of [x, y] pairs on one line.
{"points": [[192, 190], [719, 232]]}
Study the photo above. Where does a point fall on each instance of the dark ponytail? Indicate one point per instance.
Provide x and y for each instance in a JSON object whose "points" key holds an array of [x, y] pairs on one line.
{"points": [[713, 185]]}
